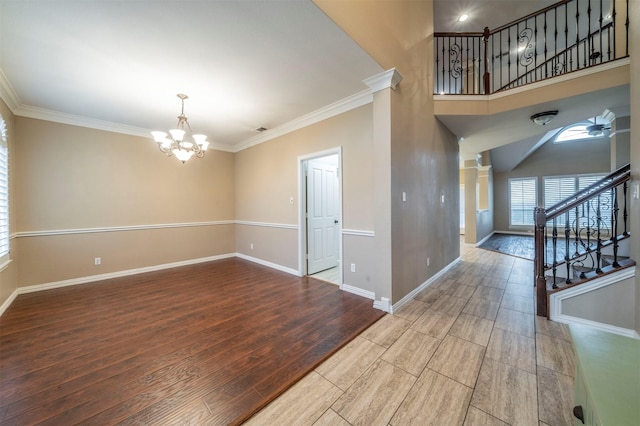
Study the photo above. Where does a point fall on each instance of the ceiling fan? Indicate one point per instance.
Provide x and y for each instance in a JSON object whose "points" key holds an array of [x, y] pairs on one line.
{"points": [[597, 128]]}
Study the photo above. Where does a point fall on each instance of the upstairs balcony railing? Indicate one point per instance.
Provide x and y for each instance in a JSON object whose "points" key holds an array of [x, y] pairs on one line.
{"points": [[568, 36], [578, 238]]}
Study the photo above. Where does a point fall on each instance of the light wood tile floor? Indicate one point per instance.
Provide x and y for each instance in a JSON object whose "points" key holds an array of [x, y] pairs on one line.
{"points": [[468, 350]]}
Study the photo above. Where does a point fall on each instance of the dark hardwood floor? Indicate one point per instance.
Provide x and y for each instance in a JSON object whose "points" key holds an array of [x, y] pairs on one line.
{"points": [[205, 344]]}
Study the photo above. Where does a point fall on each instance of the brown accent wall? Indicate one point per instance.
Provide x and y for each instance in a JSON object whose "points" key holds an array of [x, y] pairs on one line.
{"points": [[424, 160]]}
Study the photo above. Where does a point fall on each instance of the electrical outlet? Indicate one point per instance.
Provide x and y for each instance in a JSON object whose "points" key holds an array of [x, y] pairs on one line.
{"points": [[428, 261], [97, 261], [353, 267], [251, 246]]}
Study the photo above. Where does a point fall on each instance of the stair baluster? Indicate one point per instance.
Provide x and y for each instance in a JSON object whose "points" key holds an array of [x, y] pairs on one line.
{"points": [[599, 243], [554, 246], [567, 257], [625, 215], [591, 209], [614, 226]]}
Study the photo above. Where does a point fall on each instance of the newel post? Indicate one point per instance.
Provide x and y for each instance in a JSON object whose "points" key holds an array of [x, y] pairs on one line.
{"points": [[487, 76], [540, 219]]}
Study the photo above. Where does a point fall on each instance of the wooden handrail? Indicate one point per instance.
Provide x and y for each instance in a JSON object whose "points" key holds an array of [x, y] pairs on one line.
{"points": [[616, 178], [542, 216], [531, 15]]}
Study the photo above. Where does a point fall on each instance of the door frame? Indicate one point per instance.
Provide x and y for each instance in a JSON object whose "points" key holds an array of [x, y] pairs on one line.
{"points": [[302, 219]]}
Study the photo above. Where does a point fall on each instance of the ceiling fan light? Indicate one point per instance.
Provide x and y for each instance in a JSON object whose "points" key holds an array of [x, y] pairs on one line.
{"points": [[544, 118]]}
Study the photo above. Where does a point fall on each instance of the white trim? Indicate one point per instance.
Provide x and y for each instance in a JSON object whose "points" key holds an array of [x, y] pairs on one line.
{"points": [[358, 233], [627, 332], [422, 286], [5, 264], [341, 106], [347, 104], [555, 302], [479, 243], [118, 274], [269, 264], [119, 228], [539, 84], [359, 291], [8, 302], [266, 225], [523, 232], [7, 93], [387, 79], [302, 194]]}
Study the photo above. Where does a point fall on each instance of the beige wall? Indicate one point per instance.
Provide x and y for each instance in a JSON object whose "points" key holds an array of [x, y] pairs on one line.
{"points": [[9, 275], [71, 179], [267, 176], [423, 153], [549, 160], [613, 304]]}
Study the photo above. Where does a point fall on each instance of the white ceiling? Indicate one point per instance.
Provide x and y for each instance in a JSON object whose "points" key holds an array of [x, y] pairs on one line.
{"points": [[244, 64]]}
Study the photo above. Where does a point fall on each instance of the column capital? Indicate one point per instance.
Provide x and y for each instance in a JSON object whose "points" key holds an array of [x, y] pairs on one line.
{"points": [[384, 80]]}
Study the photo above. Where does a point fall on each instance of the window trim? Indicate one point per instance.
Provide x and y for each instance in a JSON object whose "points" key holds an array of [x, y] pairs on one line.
{"points": [[5, 257], [535, 190]]}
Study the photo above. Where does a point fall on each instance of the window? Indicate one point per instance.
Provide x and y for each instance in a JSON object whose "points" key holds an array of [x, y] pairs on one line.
{"points": [[522, 200], [558, 188], [4, 193]]}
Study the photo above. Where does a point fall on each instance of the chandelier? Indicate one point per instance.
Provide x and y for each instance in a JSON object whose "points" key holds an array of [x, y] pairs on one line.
{"points": [[174, 142]]}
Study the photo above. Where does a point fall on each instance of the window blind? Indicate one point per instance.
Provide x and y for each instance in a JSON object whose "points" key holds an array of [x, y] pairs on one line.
{"points": [[4, 191], [522, 200], [558, 188]]}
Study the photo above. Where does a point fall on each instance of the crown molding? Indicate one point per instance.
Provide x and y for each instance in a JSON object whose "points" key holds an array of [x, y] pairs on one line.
{"points": [[7, 93], [364, 97], [331, 110], [77, 120], [384, 80]]}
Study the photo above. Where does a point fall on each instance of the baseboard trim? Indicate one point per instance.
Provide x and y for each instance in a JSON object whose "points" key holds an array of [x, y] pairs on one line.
{"points": [[479, 243], [627, 332], [422, 286], [358, 291], [269, 264], [9, 301], [118, 274]]}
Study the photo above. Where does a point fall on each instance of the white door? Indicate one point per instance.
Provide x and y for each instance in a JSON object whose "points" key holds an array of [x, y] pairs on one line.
{"points": [[322, 214]]}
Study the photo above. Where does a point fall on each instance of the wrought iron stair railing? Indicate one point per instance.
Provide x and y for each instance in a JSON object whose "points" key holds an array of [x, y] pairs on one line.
{"points": [[579, 238], [567, 36]]}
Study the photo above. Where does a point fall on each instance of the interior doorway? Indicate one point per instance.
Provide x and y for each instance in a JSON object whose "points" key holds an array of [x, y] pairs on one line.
{"points": [[320, 215]]}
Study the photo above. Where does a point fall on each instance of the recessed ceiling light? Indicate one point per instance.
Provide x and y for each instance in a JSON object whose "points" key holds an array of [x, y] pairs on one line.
{"points": [[463, 17]]}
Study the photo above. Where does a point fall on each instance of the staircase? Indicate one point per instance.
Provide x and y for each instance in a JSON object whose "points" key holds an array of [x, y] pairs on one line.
{"points": [[567, 36], [583, 237]]}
